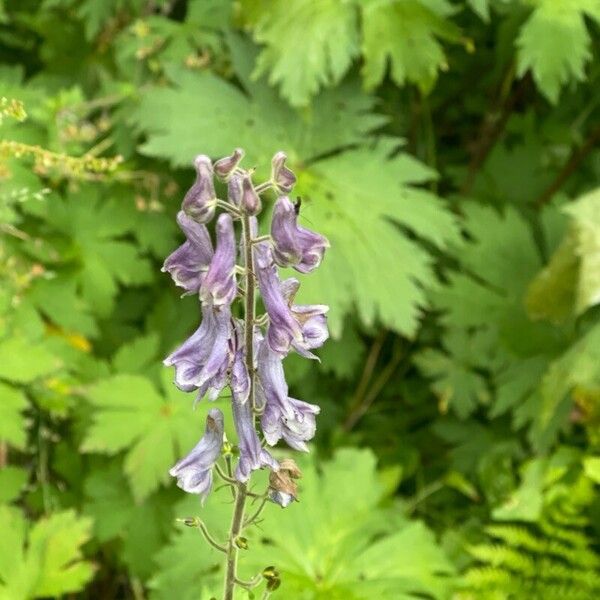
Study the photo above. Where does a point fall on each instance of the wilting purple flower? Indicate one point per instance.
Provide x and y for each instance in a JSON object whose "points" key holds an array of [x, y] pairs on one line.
{"points": [[203, 360], [294, 246], [250, 200], [303, 327], [189, 263], [281, 176], [194, 471], [200, 200], [224, 167], [219, 286], [283, 417]]}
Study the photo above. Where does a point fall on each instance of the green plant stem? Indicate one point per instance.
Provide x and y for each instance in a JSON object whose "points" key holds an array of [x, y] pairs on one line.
{"points": [[241, 489], [257, 513]]}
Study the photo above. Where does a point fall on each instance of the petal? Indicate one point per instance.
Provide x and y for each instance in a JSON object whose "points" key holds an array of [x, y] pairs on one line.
{"points": [[224, 167], [294, 246], [219, 286], [188, 264], [194, 471], [281, 176], [200, 201]]}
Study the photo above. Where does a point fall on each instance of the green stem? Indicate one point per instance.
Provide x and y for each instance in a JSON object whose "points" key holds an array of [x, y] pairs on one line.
{"points": [[241, 490]]}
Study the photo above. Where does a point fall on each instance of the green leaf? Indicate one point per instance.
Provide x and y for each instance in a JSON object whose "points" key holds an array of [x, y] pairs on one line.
{"points": [[307, 45], [12, 481], [570, 282], [591, 465], [405, 33], [354, 197], [456, 384], [552, 65], [23, 361], [138, 355], [333, 544], [130, 414], [45, 562], [12, 422]]}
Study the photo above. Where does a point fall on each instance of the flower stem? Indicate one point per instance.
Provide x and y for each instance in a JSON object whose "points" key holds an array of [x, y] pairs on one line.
{"points": [[241, 490]]}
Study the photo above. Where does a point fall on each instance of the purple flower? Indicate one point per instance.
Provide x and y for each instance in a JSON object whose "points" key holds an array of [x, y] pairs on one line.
{"points": [[250, 200], [200, 200], [224, 167], [302, 327], [281, 176], [189, 263], [219, 286], [194, 471], [294, 246], [234, 189], [203, 360], [283, 417], [252, 455]]}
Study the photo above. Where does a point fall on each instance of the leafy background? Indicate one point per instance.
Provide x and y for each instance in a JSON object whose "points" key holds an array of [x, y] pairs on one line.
{"points": [[449, 150]]}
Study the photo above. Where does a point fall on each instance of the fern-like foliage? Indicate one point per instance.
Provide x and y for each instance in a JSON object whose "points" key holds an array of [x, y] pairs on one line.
{"points": [[552, 559]]}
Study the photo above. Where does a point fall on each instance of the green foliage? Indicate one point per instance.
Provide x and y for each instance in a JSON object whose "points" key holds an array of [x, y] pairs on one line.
{"points": [[44, 561], [337, 544], [449, 151]]}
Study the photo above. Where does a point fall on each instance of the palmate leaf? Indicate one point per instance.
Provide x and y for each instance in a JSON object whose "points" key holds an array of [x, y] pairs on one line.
{"points": [[355, 197], [154, 429], [554, 65], [307, 44], [46, 561], [334, 544], [405, 33]]}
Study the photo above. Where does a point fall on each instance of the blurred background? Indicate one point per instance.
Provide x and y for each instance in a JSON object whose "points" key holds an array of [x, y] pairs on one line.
{"points": [[449, 151]]}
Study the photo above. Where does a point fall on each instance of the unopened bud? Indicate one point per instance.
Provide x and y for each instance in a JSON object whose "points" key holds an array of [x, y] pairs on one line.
{"points": [[281, 176], [250, 200], [189, 521], [241, 543], [224, 167], [273, 584], [270, 572]]}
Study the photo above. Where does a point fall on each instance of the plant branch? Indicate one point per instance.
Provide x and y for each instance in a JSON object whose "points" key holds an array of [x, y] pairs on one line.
{"points": [[575, 159]]}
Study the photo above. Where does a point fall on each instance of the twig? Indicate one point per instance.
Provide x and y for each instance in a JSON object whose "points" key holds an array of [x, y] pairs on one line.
{"points": [[250, 520], [575, 159]]}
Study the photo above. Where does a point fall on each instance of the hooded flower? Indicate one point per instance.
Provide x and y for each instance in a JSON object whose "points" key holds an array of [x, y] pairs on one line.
{"points": [[234, 189], [200, 201], [302, 327], [203, 360], [189, 263], [281, 176], [294, 246], [283, 490], [194, 471], [283, 417], [219, 286], [224, 167], [250, 200]]}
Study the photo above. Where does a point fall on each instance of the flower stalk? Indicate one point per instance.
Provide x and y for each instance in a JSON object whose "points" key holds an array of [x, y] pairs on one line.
{"points": [[246, 354]]}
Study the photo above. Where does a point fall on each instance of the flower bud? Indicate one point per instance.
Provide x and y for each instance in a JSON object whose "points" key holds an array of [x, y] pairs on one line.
{"points": [[189, 521], [224, 167], [200, 201], [250, 200], [273, 584], [270, 572], [241, 543], [281, 176], [234, 189]]}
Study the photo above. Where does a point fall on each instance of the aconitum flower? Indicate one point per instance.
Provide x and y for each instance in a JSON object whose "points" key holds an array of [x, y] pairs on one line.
{"points": [[294, 246], [202, 361], [224, 167], [219, 286], [282, 177], [194, 471], [250, 200], [201, 200], [283, 417], [189, 263]]}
